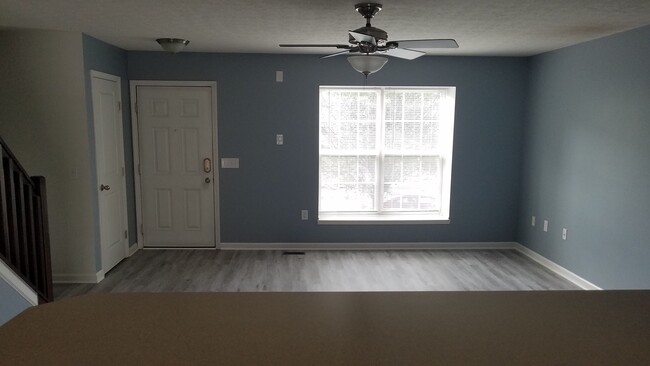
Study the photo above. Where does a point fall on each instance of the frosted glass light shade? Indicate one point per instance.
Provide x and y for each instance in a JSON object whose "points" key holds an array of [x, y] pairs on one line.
{"points": [[173, 45], [367, 64]]}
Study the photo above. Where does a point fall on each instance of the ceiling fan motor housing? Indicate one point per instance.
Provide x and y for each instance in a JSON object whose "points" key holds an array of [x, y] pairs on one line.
{"points": [[379, 34]]}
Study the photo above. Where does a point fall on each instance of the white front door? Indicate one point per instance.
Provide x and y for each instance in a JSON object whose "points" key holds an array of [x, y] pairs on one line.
{"points": [[111, 184], [175, 129]]}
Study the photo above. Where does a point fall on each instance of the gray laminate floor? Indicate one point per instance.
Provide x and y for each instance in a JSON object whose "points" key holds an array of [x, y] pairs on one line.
{"points": [[422, 270]]}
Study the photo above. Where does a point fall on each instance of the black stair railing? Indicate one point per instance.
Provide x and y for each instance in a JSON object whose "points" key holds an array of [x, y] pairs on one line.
{"points": [[24, 235]]}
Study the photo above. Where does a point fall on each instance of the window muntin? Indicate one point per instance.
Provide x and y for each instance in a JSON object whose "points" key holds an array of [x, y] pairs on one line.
{"points": [[385, 151]]}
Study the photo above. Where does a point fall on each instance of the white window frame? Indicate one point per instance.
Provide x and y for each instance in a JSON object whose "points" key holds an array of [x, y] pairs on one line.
{"points": [[446, 134]]}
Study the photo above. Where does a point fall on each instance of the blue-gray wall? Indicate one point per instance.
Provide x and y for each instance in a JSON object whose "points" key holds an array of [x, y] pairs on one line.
{"points": [[101, 56], [11, 302], [261, 201], [587, 159]]}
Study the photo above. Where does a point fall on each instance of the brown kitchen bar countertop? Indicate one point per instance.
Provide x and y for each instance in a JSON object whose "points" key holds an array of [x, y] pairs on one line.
{"points": [[334, 328]]}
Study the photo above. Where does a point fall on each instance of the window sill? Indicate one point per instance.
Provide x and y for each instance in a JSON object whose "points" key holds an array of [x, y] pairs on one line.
{"points": [[410, 219]]}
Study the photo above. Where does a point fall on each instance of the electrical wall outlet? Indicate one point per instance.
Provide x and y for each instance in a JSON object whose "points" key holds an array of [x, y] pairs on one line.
{"points": [[564, 233], [545, 225], [304, 214], [532, 221]]}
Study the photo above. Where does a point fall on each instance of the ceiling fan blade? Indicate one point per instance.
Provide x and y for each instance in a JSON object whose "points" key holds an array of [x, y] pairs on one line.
{"points": [[427, 43], [316, 45], [360, 37], [336, 54], [404, 53]]}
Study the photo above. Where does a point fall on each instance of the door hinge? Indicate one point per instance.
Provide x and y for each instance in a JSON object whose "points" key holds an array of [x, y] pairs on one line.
{"points": [[119, 106], [126, 234], [122, 171], [142, 229]]}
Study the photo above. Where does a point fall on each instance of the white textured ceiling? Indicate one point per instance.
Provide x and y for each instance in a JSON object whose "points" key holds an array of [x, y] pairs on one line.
{"points": [[499, 27]]}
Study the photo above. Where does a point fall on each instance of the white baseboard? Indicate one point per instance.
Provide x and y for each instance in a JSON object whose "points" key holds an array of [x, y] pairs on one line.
{"points": [[368, 246], [78, 278], [17, 283], [565, 273], [99, 276]]}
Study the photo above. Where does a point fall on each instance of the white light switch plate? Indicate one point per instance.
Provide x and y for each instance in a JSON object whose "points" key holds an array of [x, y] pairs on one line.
{"points": [[279, 139], [279, 76], [230, 163]]}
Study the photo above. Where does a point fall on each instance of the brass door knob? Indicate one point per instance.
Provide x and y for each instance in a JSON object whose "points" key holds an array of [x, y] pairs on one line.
{"points": [[104, 188]]}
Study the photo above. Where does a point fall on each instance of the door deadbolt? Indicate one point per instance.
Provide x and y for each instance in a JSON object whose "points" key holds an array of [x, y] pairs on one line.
{"points": [[207, 180], [104, 187]]}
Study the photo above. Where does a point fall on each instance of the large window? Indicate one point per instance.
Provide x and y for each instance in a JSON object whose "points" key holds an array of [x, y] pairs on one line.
{"points": [[385, 154]]}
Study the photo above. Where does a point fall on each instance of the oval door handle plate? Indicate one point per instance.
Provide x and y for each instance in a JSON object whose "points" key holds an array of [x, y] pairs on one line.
{"points": [[207, 165], [207, 180], [104, 188]]}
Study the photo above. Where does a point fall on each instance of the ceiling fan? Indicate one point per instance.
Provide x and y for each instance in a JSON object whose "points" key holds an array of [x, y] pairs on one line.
{"points": [[370, 42]]}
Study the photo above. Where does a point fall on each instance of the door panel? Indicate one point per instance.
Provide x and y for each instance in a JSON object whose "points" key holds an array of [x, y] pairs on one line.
{"points": [[190, 150], [109, 149], [161, 158], [164, 209], [175, 136]]}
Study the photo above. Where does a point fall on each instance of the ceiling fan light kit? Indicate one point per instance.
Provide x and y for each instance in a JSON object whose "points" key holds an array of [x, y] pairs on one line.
{"points": [[371, 44], [173, 45], [367, 64]]}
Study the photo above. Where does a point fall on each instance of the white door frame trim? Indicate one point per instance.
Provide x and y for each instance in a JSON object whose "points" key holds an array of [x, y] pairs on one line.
{"points": [[125, 223], [136, 151]]}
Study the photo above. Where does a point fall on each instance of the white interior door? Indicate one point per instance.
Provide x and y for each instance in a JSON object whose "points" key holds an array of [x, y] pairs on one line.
{"points": [[109, 148], [176, 169]]}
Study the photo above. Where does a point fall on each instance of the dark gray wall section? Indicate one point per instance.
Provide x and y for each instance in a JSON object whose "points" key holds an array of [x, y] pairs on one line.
{"points": [[101, 56], [12, 302], [587, 159], [261, 201]]}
